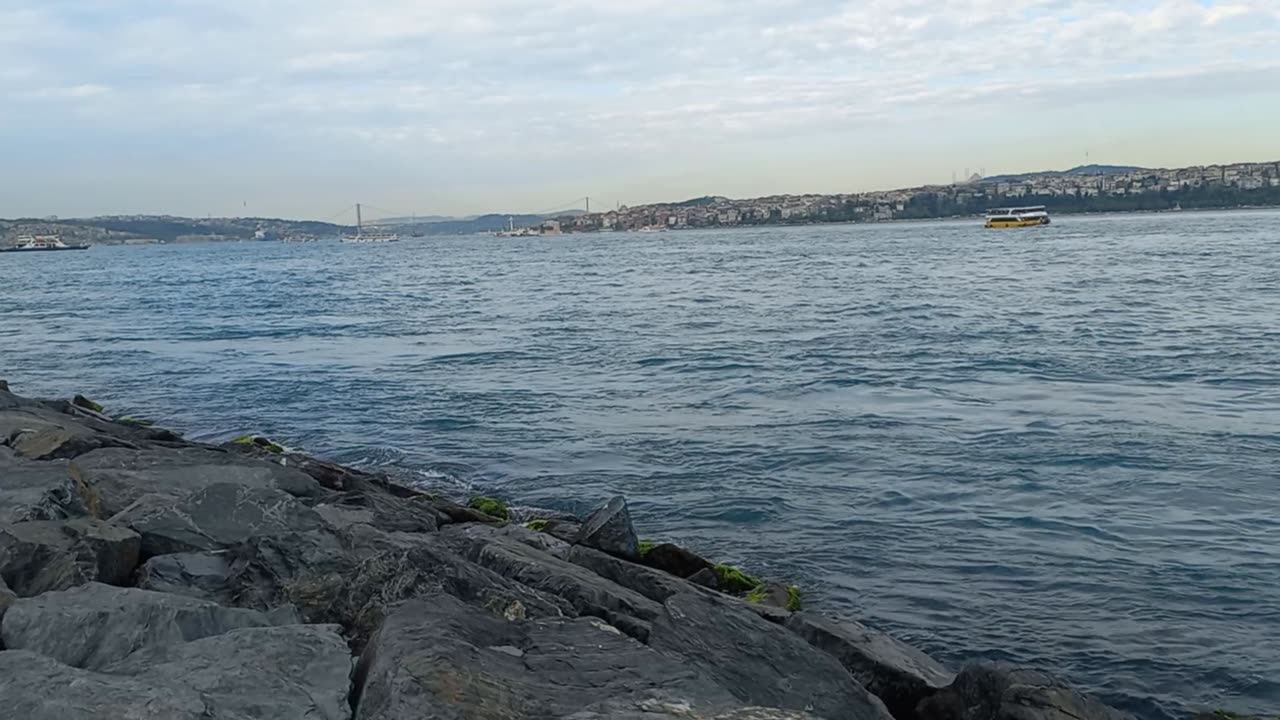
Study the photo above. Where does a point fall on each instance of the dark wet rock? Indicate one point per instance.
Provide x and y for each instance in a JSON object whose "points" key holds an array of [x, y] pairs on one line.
{"points": [[588, 592], [676, 560], [660, 710], [295, 672], [453, 513], [118, 477], [1001, 691], [349, 578], [439, 658], [214, 518], [610, 529], [705, 577], [199, 575], [563, 530], [759, 662], [7, 598], [94, 625], [383, 511], [897, 673], [35, 687], [37, 557], [37, 490], [85, 403]]}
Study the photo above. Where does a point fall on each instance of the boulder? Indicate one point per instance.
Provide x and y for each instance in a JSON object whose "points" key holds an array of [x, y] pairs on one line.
{"points": [[94, 625], [610, 529], [295, 672], [118, 477], [437, 657], [37, 490], [759, 662], [40, 556], [706, 578], [35, 687], [215, 517], [199, 575], [383, 511], [893, 671], [7, 598], [677, 561], [351, 577], [588, 593], [1002, 691]]}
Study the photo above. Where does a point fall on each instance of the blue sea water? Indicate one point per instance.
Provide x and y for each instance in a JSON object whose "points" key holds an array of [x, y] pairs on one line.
{"points": [[1056, 446]]}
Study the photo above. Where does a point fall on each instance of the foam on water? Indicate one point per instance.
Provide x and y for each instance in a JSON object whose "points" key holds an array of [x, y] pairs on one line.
{"points": [[1055, 446]]}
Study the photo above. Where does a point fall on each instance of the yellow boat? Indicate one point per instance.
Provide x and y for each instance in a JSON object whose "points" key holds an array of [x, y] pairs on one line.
{"points": [[1017, 217]]}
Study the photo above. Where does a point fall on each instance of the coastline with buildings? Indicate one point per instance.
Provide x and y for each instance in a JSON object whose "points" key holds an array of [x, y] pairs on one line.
{"points": [[1082, 190]]}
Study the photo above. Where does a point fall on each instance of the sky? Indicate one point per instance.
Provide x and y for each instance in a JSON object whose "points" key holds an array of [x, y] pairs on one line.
{"points": [[300, 108]]}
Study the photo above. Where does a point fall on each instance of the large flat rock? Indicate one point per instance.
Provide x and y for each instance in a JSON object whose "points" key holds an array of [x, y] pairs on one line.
{"points": [[1002, 691], [198, 575], [36, 490], [295, 672], [898, 674], [438, 657], [215, 517], [759, 662], [589, 593], [94, 625], [118, 477], [35, 687], [40, 556]]}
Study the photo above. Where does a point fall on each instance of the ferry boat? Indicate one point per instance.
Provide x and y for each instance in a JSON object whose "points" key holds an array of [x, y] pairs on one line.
{"points": [[41, 243], [369, 236], [1017, 217]]}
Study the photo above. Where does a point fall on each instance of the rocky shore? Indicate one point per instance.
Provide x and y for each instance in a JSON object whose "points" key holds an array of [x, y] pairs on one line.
{"points": [[145, 576]]}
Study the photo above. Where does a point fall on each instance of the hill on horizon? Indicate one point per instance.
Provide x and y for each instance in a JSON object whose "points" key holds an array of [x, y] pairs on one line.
{"points": [[1091, 169]]}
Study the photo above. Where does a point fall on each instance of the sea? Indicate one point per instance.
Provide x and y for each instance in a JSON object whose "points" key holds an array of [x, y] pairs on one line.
{"points": [[1058, 446]]}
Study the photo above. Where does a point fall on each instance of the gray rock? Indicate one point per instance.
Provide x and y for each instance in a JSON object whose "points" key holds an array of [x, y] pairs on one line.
{"points": [[659, 710], [381, 510], [118, 477], [759, 662], [7, 598], [610, 529], [658, 585], [37, 490], [215, 517], [893, 671], [197, 575], [439, 658], [706, 578], [586, 591], [296, 672], [35, 687], [351, 577], [94, 625], [1001, 691], [40, 556]]}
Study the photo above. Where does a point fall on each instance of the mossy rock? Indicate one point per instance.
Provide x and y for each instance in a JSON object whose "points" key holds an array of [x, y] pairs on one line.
{"points": [[539, 524], [135, 422], [645, 546], [793, 599], [492, 507], [775, 595], [259, 441], [84, 402], [732, 580]]}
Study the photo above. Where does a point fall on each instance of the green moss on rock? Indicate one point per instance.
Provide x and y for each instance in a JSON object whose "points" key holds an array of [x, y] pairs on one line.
{"points": [[646, 546], [259, 441], [490, 506], [757, 595], [793, 598], [135, 422], [87, 404], [538, 524], [732, 580]]}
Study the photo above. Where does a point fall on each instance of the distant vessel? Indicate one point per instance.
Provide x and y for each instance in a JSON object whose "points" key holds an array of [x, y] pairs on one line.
{"points": [[42, 243], [511, 230], [1017, 217], [369, 236]]}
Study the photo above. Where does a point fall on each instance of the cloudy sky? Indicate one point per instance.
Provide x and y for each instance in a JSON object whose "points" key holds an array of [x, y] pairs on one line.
{"points": [[299, 108]]}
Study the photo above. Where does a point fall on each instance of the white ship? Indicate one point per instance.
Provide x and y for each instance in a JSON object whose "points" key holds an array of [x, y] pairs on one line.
{"points": [[40, 243], [373, 235]]}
